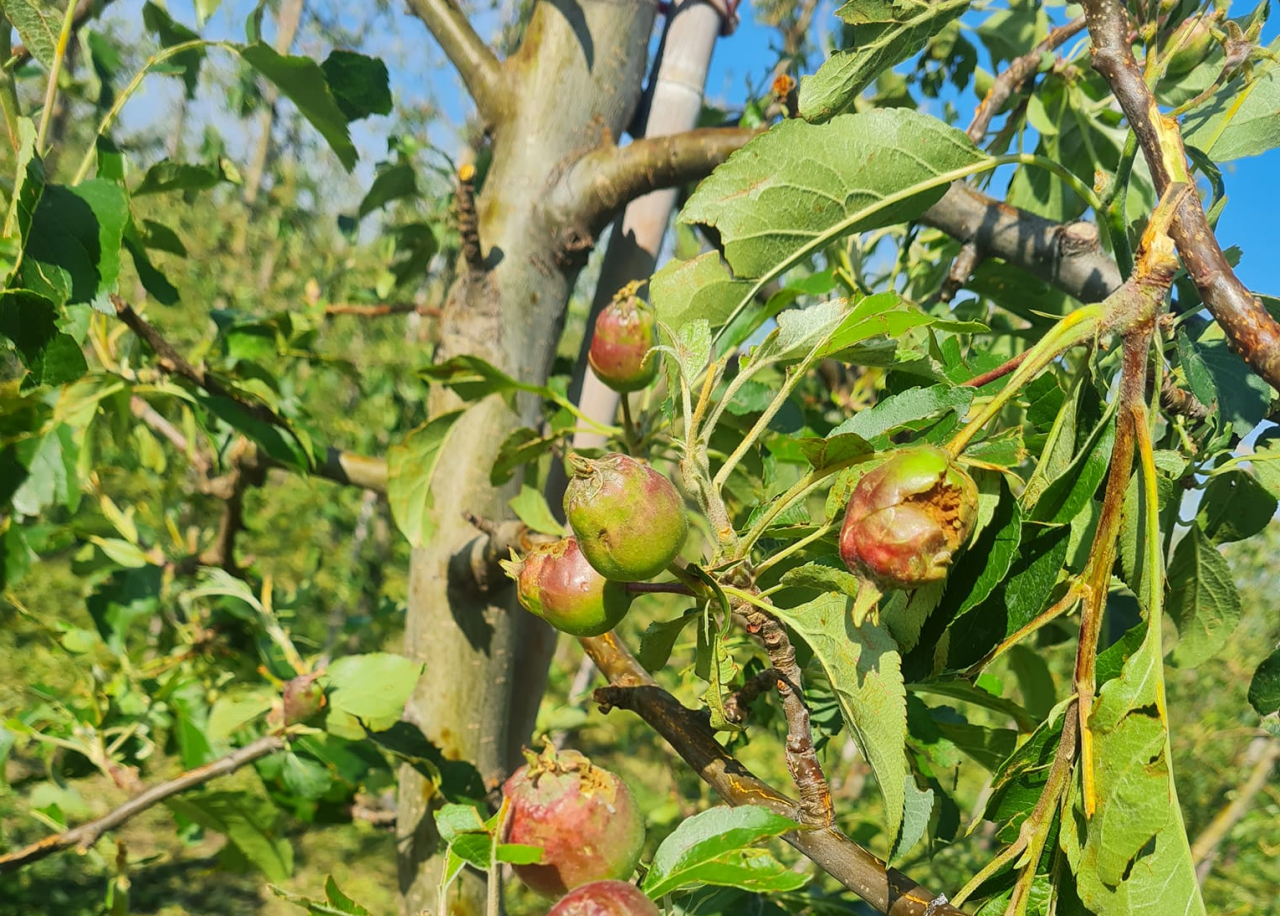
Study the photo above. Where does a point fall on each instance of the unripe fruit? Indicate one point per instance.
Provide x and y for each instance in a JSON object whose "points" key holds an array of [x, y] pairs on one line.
{"points": [[555, 582], [629, 519], [303, 699], [1190, 43], [584, 818], [907, 518], [605, 898], [625, 332]]}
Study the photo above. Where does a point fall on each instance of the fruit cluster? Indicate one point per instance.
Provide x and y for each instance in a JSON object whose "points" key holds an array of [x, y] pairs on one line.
{"points": [[629, 523]]}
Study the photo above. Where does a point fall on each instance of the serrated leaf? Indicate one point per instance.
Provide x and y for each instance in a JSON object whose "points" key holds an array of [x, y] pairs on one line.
{"points": [[886, 32], [915, 819], [703, 849], [1264, 688], [303, 82], [247, 821], [358, 83], [800, 185], [836, 448], [1239, 121], [698, 288], [1202, 599], [38, 25], [865, 671], [370, 689], [910, 406], [826, 574], [389, 184], [77, 234], [29, 322], [660, 637], [1235, 506], [411, 464]]}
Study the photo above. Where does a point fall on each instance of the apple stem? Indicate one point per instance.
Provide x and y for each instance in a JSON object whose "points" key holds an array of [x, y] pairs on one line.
{"points": [[658, 588]]}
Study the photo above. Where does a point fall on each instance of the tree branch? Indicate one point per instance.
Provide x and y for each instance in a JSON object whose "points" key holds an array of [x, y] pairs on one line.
{"points": [[86, 835], [339, 466], [1065, 255], [631, 687], [603, 181], [1250, 329], [380, 309], [1020, 69], [1205, 849], [475, 62]]}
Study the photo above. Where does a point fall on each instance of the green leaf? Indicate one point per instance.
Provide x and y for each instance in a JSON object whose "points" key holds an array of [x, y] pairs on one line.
{"points": [[826, 574], [660, 637], [865, 671], [38, 25], [305, 778], [705, 849], [77, 234], [1264, 689], [800, 185], [1235, 506], [530, 506], [836, 448], [369, 688], [1239, 122], [458, 781], [522, 446], [1202, 599], [30, 322], [25, 199], [127, 597], [1243, 397], [166, 176], [886, 32], [358, 83], [472, 378], [336, 903], [170, 33], [411, 464], [204, 10], [389, 184], [910, 406], [1020, 779], [302, 80], [700, 288], [915, 818], [1132, 854], [248, 822]]}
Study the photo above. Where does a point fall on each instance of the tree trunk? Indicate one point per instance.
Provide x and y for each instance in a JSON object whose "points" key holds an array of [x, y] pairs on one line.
{"points": [[574, 85]]}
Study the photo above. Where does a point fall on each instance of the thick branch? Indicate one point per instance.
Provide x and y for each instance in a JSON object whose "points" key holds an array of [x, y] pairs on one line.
{"points": [[1020, 69], [475, 62], [602, 182], [886, 889], [86, 835], [1250, 329], [1065, 255]]}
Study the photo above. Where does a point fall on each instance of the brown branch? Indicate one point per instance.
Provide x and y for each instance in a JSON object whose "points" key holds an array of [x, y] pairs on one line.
{"points": [[339, 466], [175, 363], [998, 372], [632, 688], [1020, 70], [1205, 848], [471, 57], [1250, 329], [1065, 255], [162, 427], [802, 757], [86, 835], [603, 181], [736, 704], [1175, 400], [380, 309], [962, 267]]}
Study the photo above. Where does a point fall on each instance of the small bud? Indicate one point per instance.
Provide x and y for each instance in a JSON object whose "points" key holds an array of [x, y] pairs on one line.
{"points": [[303, 699], [907, 519]]}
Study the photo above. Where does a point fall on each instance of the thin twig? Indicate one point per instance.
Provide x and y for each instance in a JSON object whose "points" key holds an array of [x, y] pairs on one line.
{"points": [[380, 309], [1205, 848], [998, 372], [1020, 70], [738, 703], [632, 688], [86, 835]]}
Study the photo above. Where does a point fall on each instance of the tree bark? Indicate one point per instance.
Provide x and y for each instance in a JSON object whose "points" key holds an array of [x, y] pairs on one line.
{"points": [[576, 79]]}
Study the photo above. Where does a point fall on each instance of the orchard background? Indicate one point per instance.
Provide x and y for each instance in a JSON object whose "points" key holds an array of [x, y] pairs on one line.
{"points": [[293, 341]]}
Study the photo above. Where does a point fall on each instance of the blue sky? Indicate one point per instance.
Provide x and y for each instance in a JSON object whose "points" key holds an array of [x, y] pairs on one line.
{"points": [[419, 74]]}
